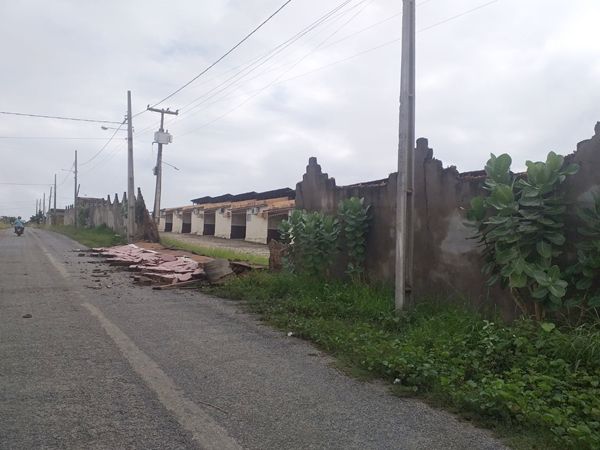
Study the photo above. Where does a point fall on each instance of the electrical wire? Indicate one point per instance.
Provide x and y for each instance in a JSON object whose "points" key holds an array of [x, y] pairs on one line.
{"points": [[104, 146], [449, 19], [25, 184], [279, 48], [277, 81], [70, 170], [43, 116], [264, 58], [319, 45], [54, 137], [176, 91]]}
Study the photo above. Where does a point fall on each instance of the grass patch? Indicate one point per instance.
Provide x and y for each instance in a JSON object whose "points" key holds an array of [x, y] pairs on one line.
{"points": [[221, 253], [101, 236], [538, 388]]}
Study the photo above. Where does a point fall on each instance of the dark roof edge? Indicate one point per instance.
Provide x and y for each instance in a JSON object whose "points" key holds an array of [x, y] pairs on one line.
{"points": [[275, 193]]}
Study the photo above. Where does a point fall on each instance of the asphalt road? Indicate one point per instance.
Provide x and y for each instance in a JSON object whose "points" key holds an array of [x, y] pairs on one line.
{"points": [[105, 364]]}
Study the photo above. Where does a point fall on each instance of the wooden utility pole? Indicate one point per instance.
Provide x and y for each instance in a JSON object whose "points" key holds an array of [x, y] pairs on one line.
{"points": [[406, 144], [75, 211], [130, 184], [158, 168]]}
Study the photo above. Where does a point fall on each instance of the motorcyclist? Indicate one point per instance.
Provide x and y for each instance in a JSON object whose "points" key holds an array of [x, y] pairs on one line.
{"points": [[19, 224]]}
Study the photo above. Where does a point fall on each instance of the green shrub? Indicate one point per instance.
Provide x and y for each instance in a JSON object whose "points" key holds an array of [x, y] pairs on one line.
{"points": [[314, 239], [354, 218], [520, 225], [585, 274]]}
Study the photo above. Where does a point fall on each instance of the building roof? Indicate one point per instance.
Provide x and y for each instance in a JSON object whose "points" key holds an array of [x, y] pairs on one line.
{"points": [[266, 195]]}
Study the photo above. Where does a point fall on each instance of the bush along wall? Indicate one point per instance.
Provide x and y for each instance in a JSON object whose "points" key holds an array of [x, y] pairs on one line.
{"points": [[314, 240], [520, 225]]}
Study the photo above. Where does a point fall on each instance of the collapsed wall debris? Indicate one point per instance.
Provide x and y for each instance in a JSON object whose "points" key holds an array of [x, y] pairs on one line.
{"points": [[153, 264]]}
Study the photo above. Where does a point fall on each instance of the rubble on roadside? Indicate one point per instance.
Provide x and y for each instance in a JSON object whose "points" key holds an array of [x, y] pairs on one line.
{"points": [[162, 269], [166, 268]]}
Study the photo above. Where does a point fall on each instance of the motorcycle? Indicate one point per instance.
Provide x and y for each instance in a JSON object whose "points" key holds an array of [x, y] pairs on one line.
{"points": [[19, 230]]}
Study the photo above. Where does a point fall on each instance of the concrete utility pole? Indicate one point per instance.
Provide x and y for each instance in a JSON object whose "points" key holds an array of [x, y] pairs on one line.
{"points": [[54, 215], [44, 204], [75, 211], [406, 144], [49, 216], [130, 184], [158, 168]]}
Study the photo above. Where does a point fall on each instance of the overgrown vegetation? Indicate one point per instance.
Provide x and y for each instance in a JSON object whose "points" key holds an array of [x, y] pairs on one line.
{"points": [[585, 274], [520, 225], [222, 253], [528, 377], [314, 239], [311, 238], [101, 236]]}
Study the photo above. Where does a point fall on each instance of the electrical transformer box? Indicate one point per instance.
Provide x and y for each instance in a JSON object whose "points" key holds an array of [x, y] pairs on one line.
{"points": [[162, 137]]}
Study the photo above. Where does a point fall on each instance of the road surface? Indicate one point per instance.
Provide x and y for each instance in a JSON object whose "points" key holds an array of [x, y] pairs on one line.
{"points": [[103, 364]]}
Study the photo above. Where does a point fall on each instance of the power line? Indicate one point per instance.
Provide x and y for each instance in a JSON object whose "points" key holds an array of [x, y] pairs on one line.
{"points": [[449, 19], [248, 65], [54, 137], [272, 54], [224, 55], [319, 45], [25, 184], [67, 175], [104, 146], [43, 116], [385, 44]]}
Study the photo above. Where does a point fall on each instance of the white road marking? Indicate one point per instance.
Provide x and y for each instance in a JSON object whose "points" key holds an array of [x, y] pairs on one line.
{"points": [[208, 433], [204, 429]]}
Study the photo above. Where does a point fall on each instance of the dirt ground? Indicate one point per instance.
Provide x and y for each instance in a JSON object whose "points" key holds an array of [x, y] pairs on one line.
{"points": [[238, 245]]}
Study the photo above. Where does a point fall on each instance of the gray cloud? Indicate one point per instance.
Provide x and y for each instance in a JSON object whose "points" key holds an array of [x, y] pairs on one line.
{"points": [[517, 77]]}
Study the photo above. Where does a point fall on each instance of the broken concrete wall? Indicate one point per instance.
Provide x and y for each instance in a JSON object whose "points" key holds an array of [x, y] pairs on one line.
{"points": [[318, 192], [94, 212], [446, 261]]}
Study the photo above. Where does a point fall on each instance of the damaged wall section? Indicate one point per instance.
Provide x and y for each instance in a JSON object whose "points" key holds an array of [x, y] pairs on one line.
{"points": [[94, 212], [446, 261]]}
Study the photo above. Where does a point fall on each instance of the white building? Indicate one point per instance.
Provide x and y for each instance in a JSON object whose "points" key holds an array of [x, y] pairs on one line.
{"points": [[253, 216]]}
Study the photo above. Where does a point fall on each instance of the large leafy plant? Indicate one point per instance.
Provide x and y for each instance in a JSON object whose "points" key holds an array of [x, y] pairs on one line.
{"points": [[354, 218], [520, 224], [312, 241], [586, 272]]}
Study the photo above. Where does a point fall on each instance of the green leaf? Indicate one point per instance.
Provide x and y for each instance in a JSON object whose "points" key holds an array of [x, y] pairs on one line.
{"points": [[555, 238], [518, 280], [548, 326], [544, 249], [571, 169], [594, 302], [583, 284], [557, 291]]}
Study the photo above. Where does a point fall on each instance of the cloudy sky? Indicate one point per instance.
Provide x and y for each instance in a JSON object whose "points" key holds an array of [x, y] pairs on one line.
{"points": [[516, 76]]}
